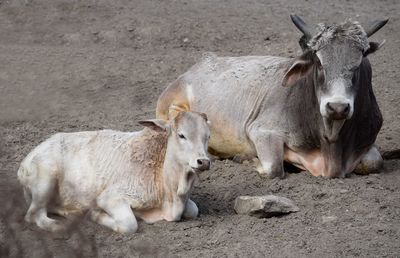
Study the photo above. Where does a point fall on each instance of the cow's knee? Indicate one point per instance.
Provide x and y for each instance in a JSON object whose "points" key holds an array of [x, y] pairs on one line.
{"points": [[191, 211], [270, 169], [270, 151], [372, 162]]}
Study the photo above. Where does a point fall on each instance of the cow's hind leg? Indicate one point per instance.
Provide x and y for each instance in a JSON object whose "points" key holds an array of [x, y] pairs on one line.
{"points": [[41, 194], [270, 151], [117, 215], [372, 162]]}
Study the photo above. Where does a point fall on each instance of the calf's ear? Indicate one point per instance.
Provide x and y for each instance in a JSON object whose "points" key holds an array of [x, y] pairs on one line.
{"points": [[373, 47], [204, 115], [158, 125], [298, 70]]}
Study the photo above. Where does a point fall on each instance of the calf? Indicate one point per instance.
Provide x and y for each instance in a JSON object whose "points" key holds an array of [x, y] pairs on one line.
{"points": [[118, 176]]}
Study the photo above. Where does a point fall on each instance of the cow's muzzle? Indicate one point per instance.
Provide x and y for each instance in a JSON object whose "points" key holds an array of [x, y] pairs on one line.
{"points": [[337, 110]]}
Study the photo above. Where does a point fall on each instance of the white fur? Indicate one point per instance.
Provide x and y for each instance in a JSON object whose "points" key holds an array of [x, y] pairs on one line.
{"points": [[108, 174], [337, 94]]}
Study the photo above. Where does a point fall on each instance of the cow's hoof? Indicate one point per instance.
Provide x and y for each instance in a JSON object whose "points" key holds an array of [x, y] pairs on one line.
{"points": [[372, 162], [365, 169], [272, 175], [268, 173]]}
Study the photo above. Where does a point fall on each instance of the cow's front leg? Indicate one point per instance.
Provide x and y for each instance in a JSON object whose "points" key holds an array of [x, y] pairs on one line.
{"points": [[371, 162], [270, 150], [191, 211]]}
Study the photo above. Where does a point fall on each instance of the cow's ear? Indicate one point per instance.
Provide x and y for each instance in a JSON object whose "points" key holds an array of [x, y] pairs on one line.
{"points": [[158, 125], [373, 47], [299, 69]]}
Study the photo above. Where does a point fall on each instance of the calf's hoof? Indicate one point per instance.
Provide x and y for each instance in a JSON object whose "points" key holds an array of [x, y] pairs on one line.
{"points": [[127, 229], [191, 211]]}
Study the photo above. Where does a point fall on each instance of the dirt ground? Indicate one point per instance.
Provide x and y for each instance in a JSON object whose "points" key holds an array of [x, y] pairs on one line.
{"points": [[86, 65]]}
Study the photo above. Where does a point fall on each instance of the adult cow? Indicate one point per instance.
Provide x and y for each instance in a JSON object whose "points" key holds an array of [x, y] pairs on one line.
{"points": [[317, 111]]}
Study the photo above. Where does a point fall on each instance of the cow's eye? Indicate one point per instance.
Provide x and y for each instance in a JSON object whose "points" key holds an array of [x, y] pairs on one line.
{"points": [[181, 136]]}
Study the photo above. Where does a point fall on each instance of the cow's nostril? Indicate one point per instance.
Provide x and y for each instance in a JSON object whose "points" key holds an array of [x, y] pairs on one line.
{"points": [[199, 162], [347, 109], [329, 107]]}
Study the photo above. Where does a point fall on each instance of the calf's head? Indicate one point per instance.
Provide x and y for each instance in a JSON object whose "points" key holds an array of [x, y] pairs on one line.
{"points": [[188, 134], [333, 54]]}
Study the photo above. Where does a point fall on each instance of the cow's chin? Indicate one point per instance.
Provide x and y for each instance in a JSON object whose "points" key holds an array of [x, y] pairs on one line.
{"points": [[332, 129]]}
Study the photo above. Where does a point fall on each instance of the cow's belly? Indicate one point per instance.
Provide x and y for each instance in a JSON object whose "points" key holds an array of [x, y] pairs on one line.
{"points": [[228, 146], [228, 139], [312, 161]]}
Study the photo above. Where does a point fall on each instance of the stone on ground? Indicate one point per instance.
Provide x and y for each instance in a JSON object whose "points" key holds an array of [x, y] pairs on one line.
{"points": [[264, 206]]}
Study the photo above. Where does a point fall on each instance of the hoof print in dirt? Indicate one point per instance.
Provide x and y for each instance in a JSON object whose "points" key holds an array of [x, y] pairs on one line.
{"points": [[264, 206]]}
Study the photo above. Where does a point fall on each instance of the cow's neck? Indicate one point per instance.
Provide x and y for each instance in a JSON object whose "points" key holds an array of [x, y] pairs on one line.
{"points": [[357, 134], [302, 114]]}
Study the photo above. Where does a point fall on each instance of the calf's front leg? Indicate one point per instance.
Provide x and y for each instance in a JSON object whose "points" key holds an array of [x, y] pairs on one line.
{"points": [[117, 214], [270, 150]]}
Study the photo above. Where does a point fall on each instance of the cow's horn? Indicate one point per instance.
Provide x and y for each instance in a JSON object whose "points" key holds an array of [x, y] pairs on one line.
{"points": [[302, 26], [375, 26]]}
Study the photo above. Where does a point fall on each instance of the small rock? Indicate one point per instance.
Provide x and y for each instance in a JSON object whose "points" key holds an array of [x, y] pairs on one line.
{"points": [[264, 206], [342, 191], [326, 219]]}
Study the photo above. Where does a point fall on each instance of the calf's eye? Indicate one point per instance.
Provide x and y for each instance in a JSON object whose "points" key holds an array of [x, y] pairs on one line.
{"points": [[181, 136]]}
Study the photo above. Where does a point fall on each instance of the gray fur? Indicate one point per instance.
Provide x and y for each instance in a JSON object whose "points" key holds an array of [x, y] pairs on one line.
{"points": [[349, 30], [251, 114]]}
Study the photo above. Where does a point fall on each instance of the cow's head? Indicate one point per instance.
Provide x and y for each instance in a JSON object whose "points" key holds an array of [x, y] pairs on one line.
{"points": [[333, 55], [188, 134]]}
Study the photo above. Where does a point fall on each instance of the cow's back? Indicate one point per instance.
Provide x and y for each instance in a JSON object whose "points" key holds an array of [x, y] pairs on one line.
{"points": [[230, 90]]}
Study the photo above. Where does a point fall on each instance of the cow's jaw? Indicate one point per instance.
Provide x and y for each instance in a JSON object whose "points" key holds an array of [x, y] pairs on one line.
{"points": [[332, 129]]}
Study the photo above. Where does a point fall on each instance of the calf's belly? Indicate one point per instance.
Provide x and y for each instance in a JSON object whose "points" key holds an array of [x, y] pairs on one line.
{"points": [[150, 215]]}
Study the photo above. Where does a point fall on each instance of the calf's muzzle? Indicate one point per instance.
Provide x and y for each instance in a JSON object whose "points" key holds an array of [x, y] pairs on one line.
{"points": [[203, 164]]}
